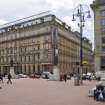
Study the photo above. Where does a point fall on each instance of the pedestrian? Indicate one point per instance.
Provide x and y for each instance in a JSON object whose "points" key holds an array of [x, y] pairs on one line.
{"points": [[99, 93], [1, 77], [65, 77], [9, 79], [104, 93]]}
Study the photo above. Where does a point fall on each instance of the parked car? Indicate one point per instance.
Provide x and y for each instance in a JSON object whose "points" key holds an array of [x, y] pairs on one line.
{"points": [[34, 75], [37, 76], [22, 76], [100, 75], [88, 76], [46, 75], [103, 79]]}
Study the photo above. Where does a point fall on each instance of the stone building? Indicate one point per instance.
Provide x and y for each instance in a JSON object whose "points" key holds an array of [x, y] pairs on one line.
{"points": [[30, 45], [98, 7]]}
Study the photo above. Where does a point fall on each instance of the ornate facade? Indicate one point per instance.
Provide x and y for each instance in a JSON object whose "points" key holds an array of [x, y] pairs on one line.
{"points": [[30, 45], [98, 7]]}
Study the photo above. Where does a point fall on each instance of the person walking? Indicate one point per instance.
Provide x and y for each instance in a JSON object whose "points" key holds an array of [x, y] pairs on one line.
{"points": [[9, 79], [65, 77], [1, 77]]}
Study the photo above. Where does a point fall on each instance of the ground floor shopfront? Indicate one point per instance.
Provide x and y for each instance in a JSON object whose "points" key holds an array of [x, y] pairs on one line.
{"points": [[42, 67], [27, 68]]}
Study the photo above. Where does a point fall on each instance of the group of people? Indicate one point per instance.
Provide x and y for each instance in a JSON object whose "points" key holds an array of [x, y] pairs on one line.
{"points": [[8, 81], [99, 93]]}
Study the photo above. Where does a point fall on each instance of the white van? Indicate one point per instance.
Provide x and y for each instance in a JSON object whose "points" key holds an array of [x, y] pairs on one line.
{"points": [[100, 74]]}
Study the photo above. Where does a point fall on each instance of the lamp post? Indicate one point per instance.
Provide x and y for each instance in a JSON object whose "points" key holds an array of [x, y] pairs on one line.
{"points": [[81, 13]]}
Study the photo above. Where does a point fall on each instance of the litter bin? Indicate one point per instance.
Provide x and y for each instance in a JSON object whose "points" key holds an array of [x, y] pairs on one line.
{"points": [[76, 81]]}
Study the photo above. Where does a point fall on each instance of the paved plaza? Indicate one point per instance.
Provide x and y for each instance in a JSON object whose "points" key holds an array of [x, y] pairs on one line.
{"points": [[44, 92]]}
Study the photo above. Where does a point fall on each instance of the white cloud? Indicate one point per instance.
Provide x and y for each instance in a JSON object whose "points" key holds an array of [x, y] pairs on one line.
{"points": [[15, 9], [56, 4], [69, 21], [89, 30]]}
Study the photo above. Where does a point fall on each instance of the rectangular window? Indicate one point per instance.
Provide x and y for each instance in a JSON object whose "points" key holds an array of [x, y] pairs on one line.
{"points": [[103, 22], [38, 47], [103, 31], [103, 63], [38, 56], [25, 59], [1, 60], [22, 58], [25, 68], [29, 58], [103, 13], [103, 40], [103, 48]]}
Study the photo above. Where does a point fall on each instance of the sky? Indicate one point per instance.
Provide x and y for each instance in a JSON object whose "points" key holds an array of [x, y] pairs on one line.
{"points": [[16, 9]]}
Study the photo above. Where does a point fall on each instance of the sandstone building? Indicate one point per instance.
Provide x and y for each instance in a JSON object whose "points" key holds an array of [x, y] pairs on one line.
{"points": [[98, 7], [30, 45]]}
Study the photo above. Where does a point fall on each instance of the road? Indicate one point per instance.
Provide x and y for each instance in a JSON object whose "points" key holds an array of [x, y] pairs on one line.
{"points": [[44, 92]]}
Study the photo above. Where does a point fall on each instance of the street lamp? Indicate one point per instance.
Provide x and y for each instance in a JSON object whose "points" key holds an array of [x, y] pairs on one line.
{"points": [[81, 13]]}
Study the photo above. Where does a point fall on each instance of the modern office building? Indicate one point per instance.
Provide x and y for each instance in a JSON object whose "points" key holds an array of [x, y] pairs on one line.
{"points": [[36, 44], [98, 7]]}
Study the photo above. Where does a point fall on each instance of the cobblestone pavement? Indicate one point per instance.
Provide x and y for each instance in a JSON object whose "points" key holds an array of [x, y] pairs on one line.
{"points": [[44, 92]]}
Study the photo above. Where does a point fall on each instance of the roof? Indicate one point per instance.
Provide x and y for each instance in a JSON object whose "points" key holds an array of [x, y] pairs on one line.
{"points": [[30, 21], [36, 20]]}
